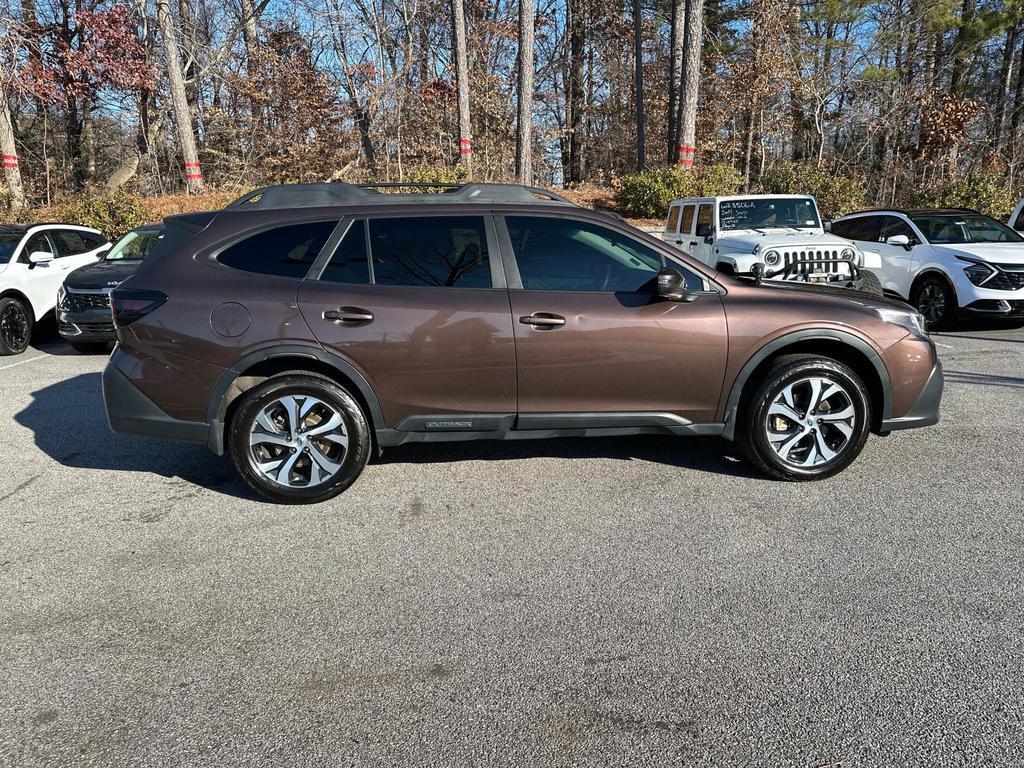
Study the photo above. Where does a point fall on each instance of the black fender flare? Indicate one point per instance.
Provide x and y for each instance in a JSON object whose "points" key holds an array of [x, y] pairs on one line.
{"points": [[775, 345], [218, 397]]}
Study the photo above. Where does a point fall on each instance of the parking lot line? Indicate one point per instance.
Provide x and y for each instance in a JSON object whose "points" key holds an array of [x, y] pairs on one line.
{"points": [[22, 362]]}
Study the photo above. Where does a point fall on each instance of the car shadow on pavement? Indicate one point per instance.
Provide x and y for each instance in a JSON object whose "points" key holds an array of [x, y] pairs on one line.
{"points": [[69, 424], [984, 379], [705, 454]]}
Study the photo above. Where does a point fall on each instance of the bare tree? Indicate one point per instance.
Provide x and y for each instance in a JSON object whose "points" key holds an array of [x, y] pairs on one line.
{"points": [[462, 77], [675, 73], [575, 93], [524, 139], [179, 99], [12, 173], [690, 91], [638, 76]]}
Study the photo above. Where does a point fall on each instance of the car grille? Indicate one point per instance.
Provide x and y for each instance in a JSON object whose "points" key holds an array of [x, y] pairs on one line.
{"points": [[75, 329], [1010, 279], [75, 301], [801, 261]]}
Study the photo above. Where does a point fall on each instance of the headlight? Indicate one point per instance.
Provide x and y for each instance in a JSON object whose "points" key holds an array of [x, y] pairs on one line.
{"points": [[848, 254], [912, 321], [60, 295], [978, 272], [771, 258]]}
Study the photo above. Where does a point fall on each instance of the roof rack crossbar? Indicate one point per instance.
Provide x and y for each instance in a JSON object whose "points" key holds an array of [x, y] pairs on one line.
{"points": [[340, 193]]}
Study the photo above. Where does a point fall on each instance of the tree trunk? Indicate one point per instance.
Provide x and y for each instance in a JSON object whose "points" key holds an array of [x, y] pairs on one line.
{"points": [[524, 142], [1006, 76], [575, 96], [12, 173], [675, 73], [963, 41], [250, 41], [179, 101], [692, 51], [638, 72], [461, 56]]}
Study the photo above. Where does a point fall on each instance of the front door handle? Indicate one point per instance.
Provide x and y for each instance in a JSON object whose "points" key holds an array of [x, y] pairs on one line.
{"points": [[693, 242], [542, 320], [348, 315], [679, 242]]}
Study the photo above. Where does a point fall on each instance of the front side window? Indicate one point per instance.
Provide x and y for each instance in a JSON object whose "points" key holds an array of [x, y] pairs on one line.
{"points": [[135, 246], [893, 226], [963, 228], [706, 214], [767, 212], [287, 251], [440, 251], [687, 226], [863, 228], [39, 243], [565, 255]]}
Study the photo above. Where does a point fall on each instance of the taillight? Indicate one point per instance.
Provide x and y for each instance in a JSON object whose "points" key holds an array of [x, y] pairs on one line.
{"points": [[129, 305]]}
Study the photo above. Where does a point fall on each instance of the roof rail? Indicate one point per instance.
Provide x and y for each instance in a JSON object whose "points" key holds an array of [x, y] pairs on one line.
{"points": [[340, 193]]}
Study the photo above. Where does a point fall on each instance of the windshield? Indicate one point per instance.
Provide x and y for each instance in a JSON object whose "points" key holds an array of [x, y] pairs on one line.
{"points": [[960, 228], [765, 212], [135, 246], [8, 244]]}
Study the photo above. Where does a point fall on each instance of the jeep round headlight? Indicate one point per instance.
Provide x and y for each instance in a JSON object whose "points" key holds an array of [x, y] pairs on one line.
{"points": [[848, 254], [771, 258]]}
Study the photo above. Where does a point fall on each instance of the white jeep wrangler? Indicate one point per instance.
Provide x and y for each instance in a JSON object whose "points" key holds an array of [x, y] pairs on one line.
{"points": [[781, 233]]}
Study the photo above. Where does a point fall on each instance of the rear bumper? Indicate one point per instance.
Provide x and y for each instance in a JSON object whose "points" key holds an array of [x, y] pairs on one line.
{"points": [[130, 412], [925, 411]]}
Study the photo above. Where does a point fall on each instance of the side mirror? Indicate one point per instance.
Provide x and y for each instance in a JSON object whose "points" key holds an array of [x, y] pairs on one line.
{"points": [[672, 285], [704, 230], [39, 257], [827, 225], [901, 240]]}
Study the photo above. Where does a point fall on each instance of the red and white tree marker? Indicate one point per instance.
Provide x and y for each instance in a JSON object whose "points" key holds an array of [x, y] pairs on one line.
{"points": [[465, 146], [10, 161], [685, 155], [193, 172]]}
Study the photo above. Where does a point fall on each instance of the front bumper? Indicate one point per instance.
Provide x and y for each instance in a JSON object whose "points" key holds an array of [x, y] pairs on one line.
{"points": [[1012, 309], [130, 412], [86, 325], [925, 411]]}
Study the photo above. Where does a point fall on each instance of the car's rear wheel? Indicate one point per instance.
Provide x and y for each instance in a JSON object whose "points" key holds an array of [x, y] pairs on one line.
{"points": [[89, 347], [934, 298], [15, 326], [299, 438], [808, 419]]}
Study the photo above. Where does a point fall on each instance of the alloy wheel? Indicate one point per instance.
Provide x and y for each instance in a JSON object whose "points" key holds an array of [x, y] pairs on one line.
{"points": [[14, 327], [298, 441], [810, 421], [931, 302]]}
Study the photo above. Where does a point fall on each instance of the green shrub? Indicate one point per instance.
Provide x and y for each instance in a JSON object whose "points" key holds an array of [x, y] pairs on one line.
{"points": [[112, 214], [985, 192], [648, 194], [836, 194], [437, 174]]}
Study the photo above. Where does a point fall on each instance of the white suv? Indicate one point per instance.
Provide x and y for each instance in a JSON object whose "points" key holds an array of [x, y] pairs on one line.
{"points": [[34, 260], [945, 262], [777, 237]]}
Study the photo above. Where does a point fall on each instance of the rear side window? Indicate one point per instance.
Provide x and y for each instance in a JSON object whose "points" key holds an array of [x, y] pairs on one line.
{"points": [[69, 242], [673, 218], [687, 227], [93, 241], [863, 228], [282, 251], [349, 262], [430, 250]]}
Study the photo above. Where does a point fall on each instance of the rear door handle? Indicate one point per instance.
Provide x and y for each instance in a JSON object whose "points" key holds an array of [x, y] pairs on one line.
{"points": [[693, 242], [542, 320], [348, 315]]}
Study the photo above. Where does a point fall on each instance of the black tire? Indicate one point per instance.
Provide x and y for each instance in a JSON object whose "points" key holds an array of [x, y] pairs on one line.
{"points": [[934, 298], [868, 282], [301, 385], [819, 433], [89, 347], [16, 320]]}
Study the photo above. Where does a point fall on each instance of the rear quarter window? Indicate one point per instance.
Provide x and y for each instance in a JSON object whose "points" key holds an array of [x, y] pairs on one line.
{"points": [[287, 251]]}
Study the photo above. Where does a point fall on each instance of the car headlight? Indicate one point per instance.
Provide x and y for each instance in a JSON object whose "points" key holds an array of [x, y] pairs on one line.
{"points": [[772, 258], [848, 253], [912, 321], [60, 296], [978, 272]]}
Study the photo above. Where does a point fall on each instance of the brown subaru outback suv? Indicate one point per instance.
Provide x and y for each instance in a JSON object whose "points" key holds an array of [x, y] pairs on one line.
{"points": [[305, 326]]}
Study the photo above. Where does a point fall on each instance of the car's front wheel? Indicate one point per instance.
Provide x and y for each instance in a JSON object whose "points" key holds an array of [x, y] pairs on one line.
{"points": [[934, 298], [808, 419], [15, 326], [299, 438]]}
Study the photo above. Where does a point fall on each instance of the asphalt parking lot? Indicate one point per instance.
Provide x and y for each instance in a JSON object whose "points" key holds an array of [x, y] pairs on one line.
{"points": [[623, 602]]}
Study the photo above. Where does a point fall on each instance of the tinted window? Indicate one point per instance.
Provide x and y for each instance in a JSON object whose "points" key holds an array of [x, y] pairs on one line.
{"points": [[687, 227], [282, 251], [673, 218], [38, 242], [1019, 223], [863, 228], [892, 226], [961, 228], [564, 255], [8, 244], [349, 264], [430, 250], [69, 242], [94, 241]]}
